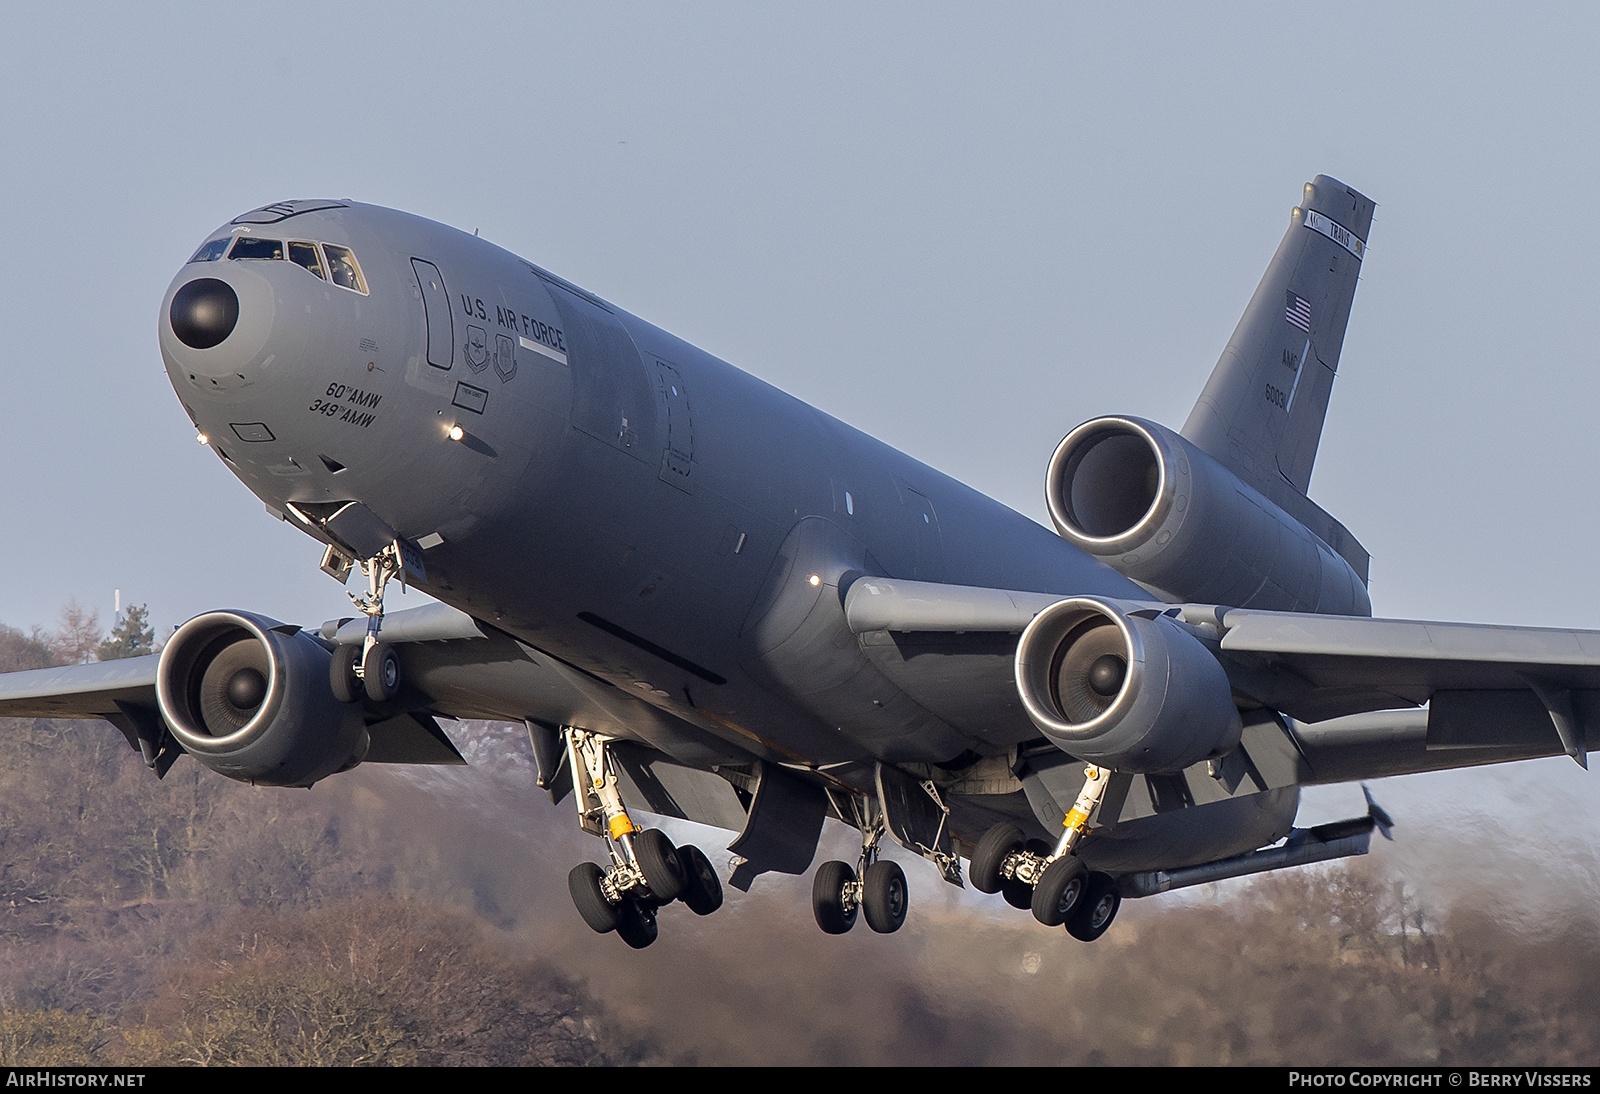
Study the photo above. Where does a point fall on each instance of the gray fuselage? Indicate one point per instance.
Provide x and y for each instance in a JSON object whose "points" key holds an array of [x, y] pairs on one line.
{"points": [[618, 499]]}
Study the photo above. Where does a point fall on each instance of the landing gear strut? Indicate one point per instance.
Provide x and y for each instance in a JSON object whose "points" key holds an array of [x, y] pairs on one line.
{"points": [[646, 871], [371, 669], [1053, 883], [876, 887]]}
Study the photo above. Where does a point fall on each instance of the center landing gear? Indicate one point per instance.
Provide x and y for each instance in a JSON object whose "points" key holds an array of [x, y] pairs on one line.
{"points": [[876, 887], [646, 871], [1053, 883]]}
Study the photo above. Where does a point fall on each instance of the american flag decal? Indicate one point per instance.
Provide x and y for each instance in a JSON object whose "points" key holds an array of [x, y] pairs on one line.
{"points": [[1298, 313]]}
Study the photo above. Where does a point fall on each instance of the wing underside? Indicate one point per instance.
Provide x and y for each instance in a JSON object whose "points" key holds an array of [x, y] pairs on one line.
{"points": [[1492, 693]]}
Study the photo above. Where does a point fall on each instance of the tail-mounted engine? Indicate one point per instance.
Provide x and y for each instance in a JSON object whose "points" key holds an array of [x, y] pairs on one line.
{"points": [[1156, 508], [250, 699], [1124, 691]]}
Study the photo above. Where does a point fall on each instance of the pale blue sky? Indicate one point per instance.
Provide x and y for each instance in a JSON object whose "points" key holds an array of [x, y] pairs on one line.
{"points": [[963, 228]]}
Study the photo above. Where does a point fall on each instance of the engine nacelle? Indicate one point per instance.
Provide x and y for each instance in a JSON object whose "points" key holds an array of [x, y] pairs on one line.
{"points": [[250, 699], [1124, 691], [1154, 507]]}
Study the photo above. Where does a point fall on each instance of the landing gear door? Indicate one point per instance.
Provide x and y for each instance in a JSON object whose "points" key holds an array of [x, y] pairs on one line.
{"points": [[436, 306]]}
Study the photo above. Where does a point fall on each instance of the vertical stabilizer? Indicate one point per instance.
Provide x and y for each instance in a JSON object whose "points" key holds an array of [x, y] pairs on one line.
{"points": [[1261, 412]]}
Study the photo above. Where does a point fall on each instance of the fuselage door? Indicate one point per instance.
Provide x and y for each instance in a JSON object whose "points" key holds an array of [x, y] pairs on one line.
{"points": [[436, 306], [678, 461], [928, 546]]}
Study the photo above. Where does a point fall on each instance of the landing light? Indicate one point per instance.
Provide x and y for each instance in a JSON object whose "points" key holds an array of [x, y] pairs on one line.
{"points": [[815, 579], [202, 438], [456, 433]]}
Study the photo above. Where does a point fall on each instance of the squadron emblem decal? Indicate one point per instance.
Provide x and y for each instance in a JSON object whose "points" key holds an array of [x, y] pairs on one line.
{"points": [[477, 348], [505, 357]]}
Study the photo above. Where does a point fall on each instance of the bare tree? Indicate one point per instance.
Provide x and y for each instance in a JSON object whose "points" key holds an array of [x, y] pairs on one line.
{"points": [[77, 639]]}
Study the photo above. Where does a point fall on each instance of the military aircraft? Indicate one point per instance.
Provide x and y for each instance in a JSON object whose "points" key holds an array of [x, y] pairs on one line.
{"points": [[708, 600]]}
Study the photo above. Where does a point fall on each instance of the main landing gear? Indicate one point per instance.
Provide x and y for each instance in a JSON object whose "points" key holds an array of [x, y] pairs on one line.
{"points": [[371, 669], [876, 887], [1052, 882], [646, 871]]}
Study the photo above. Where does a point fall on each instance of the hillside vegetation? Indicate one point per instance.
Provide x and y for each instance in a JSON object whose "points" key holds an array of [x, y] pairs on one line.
{"points": [[394, 916]]}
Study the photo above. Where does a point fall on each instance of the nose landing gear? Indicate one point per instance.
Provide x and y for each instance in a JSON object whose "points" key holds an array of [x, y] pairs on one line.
{"points": [[371, 669], [646, 871], [1053, 883]]}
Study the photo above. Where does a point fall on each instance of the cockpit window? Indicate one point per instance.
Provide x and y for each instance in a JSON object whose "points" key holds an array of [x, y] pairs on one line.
{"points": [[305, 254], [210, 252], [251, 247], [344, 269]]}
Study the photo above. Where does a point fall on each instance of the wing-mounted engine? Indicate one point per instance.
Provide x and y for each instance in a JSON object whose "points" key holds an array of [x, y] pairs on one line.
{"points": [[1127, 691], [249, 698], [1154, 507]]}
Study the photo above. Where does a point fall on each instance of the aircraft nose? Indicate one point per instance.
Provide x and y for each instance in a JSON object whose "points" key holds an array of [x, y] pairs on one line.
{"points": [[204, 312]]}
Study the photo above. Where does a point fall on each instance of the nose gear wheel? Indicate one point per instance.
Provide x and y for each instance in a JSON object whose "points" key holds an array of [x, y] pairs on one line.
{"points": [[343, 674], [371, 669], [380, 672]]}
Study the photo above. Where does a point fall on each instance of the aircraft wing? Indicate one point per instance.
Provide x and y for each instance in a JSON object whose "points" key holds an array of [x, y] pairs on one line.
{"points": [[123, 692], [1315, 666], [1493, 692], [109, 687], [455, 667], [79, 691]]}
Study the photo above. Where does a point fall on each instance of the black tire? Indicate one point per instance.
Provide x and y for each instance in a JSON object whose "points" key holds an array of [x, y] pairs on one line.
{"points": [[884, 897], [659, 863], [380, 673], [1059, 890], [996, 844], [584, 884], [827, 897], [703, 889], [636, 923], [342, 673], [1095, 911]]}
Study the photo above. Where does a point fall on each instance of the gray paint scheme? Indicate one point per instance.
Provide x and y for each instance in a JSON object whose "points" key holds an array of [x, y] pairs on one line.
{"points": [[1274, 451], [634, 537]]}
